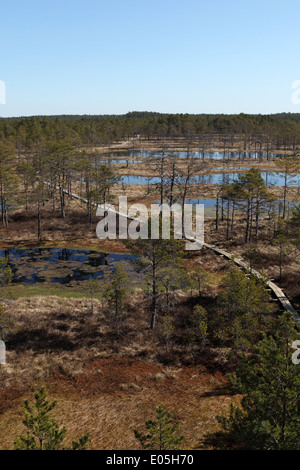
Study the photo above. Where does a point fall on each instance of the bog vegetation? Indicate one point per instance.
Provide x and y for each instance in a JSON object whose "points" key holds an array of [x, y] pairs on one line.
{"points": [[188, 316]]}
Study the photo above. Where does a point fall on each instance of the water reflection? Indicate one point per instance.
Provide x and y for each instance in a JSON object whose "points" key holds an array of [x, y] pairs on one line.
{"points": [[270, 178], [60, 265], [133, 154]]}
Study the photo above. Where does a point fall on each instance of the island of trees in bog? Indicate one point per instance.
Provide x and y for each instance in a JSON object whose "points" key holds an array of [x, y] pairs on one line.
{"points": [[142, 344]]}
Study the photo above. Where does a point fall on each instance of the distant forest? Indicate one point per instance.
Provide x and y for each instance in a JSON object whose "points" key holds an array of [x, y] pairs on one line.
{"points": [[276, 131]]}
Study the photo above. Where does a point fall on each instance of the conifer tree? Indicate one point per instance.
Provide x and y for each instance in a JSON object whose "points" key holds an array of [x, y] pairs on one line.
{"points": [[43, 432], [294, 227], [6, 274], [91, 287], [8, 180], [162, 433], [155, 256], [289, 167], [167, 330], [244, 305], [253, 195], [268, 417], [197, 280], [198, 328], [116, 291]]}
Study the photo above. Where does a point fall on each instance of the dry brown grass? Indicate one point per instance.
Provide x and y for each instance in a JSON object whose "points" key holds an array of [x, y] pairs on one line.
{"points": [[104, 386], [111, 415]]}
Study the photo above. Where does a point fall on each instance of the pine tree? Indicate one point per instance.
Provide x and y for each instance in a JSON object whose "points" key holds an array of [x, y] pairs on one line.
{"points": [[268, 418], [161, 433], [289, 166], [251, 192], [91, 287], [281, 241], [244, 305], [198, 328], [117, 288], [6, 274], [170, 279], [294, 227], [155, 256], [197, 280], [44, 433], [9, 182], [252, 256], [167, 330]]}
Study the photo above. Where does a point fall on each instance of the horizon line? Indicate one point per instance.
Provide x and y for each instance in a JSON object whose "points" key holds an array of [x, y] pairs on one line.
{"points": [[148, 112]]}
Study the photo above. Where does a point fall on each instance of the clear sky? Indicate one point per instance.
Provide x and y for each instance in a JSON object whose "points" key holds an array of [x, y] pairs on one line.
{"points": [[115, 56]]}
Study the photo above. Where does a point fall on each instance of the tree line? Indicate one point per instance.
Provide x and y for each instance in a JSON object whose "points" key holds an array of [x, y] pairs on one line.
{"points": [[277, 131], [48, 173]]}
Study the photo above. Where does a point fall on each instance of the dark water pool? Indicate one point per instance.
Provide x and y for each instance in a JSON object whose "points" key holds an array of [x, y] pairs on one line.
{"points": [[60, 265]]}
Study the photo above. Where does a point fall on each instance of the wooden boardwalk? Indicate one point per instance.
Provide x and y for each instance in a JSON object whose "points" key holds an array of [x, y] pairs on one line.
{"points": [[286, 304]]}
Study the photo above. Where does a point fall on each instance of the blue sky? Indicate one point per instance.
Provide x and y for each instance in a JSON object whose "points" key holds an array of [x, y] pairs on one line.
{"points": [[111, 57]]}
